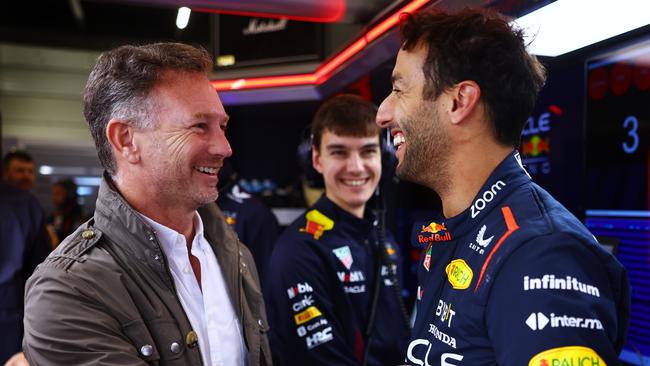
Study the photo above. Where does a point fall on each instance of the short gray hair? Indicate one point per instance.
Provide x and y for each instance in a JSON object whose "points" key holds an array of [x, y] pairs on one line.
{"points": [[121, 81]]}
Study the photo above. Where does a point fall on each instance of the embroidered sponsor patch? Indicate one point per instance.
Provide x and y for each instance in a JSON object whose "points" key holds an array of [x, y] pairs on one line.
{"points": [[459, 274], [299, 288], [433, 232], [427, 259], [344, 255], [390, 250], [317, 223], [572, 355], [307, 315]]}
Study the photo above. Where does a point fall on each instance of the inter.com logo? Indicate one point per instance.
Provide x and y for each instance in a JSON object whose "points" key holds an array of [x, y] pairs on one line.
{"points": [[539, 321]]}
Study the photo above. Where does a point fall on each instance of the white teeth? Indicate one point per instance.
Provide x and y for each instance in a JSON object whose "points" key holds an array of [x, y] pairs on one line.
{"points": [[355, 183], [398, 140], [207, 170]]}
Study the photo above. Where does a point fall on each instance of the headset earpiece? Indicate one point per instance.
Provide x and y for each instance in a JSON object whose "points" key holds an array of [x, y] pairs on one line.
{"points": [[313, 178]]}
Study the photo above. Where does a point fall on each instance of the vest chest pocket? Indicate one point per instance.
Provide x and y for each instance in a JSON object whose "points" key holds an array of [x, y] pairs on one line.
{"points": [[158, 342]]}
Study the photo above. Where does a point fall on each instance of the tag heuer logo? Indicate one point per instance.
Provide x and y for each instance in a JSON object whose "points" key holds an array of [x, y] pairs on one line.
{"points": [[344, 255]]}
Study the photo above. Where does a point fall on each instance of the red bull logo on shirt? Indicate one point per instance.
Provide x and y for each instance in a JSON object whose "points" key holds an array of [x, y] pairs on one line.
{"points": [[569, 356], [317, 223], [433, 232]]}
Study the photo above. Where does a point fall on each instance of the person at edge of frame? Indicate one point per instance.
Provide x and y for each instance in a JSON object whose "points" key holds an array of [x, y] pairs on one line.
{"points": [[323, 270], [252, 220], [508, 276], [156, 276]]}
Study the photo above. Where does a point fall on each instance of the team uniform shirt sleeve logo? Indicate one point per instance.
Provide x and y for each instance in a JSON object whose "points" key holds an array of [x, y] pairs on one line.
{"points": [[307, 315], [344, 255], [459, 274], [427, 259], [573, 355], [317, 223]]}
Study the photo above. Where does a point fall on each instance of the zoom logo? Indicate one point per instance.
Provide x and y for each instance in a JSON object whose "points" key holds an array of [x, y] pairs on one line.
{"points": [[486, 198]]}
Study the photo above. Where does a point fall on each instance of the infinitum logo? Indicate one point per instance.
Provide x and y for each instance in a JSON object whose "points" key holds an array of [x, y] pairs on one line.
{"points": [[550, 282], [539, 321]]}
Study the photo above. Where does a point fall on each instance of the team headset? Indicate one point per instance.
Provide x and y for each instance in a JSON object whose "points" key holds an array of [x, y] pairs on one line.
{"points": [[388, 164]]}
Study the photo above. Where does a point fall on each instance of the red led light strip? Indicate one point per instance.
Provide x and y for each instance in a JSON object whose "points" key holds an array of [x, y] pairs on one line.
{"points": [[324, 71], [333, 16]]}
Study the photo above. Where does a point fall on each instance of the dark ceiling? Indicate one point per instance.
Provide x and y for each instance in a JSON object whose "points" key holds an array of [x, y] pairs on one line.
{"points": [[100, 25]]}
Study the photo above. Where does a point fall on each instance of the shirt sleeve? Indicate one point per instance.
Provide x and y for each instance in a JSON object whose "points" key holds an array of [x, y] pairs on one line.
{"points": [[556, 300], [308, 326], [65, 326]]}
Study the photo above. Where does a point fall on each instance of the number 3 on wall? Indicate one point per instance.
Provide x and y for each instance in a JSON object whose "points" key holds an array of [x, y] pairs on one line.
{"points": [[633, 124]]}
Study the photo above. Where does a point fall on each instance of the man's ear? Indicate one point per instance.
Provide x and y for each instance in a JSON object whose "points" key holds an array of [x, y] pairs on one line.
{"points": [[465, 98], [120, 136], [315, 159]]}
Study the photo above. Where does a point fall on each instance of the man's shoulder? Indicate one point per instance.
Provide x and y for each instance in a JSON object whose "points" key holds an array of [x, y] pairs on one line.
{"points": [[538, 212], [79, 253], [312, 226]]}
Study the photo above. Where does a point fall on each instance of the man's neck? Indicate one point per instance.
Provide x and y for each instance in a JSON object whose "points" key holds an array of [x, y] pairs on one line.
{"points": [[354, 211], [472, 165], [174, 216]]}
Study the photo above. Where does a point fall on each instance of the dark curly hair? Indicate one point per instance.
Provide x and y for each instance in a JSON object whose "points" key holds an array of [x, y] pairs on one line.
{"points": [[479, 45]]}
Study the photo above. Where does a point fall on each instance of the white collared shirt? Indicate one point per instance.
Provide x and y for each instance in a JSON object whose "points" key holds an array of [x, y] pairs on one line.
{"points": [[210, 312]]}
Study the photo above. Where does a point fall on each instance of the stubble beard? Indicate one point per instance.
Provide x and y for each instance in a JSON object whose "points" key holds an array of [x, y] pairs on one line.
{"points": [[174, 185], [426, 157]]}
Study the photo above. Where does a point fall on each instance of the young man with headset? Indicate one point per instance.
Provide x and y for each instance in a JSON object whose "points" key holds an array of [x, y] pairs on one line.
{"points": [[332, 294]]}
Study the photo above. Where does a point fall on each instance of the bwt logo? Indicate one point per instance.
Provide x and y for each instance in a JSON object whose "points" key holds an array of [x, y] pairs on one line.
{"points": [[486, 198], [299, 289], [445, 312], [445, 358]]}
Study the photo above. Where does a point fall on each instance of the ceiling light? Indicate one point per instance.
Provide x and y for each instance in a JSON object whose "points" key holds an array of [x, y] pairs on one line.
{"points": [[567, 25], [45, 170], [183, 17]]}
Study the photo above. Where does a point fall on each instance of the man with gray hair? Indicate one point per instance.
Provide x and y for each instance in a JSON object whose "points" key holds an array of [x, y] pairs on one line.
{"points": [[156, 276]]}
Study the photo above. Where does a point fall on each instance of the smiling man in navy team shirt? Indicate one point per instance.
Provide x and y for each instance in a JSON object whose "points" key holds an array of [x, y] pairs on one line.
{"points": [[322, 272], [508, 275]]}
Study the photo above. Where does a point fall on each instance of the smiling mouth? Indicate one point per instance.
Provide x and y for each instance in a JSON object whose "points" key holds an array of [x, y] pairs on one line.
{"points": [[398, 139], [355, 182], [207, 170]]}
